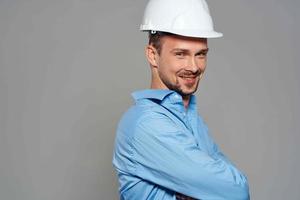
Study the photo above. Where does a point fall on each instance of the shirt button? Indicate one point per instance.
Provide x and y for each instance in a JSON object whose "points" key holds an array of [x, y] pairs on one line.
{"points": [[177, 96]]}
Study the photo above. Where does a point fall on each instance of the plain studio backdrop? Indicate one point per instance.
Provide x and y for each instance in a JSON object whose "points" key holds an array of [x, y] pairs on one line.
{"points": [[67, 68]]}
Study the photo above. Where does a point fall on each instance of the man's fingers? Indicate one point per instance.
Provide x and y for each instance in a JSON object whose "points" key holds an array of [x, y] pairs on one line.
{"points": [[183, 197]]}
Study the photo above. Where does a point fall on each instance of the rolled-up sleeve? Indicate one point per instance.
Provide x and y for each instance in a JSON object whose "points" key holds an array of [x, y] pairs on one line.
{"points": [[169, 157]]}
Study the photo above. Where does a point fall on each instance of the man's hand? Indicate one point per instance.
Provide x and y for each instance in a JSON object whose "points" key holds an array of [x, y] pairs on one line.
{"points": [[183, 197]]}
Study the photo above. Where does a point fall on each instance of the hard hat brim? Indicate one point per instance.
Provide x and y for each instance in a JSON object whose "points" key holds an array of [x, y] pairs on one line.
{"points": [[188, 33]]}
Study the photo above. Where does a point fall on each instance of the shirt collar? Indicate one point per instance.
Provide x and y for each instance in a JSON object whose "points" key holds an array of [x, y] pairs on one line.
{"points": [[160, 94], [151, 94]]}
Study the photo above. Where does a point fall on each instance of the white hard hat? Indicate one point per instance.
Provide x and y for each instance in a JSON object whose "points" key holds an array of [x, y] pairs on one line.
{"points": [[189, 18]]}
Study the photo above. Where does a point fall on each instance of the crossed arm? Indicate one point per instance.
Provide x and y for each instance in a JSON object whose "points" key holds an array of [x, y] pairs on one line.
{"points": [[173, 160]]}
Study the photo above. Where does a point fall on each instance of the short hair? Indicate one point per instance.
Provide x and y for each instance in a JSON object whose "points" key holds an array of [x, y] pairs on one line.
{"points": [[155, 39]]}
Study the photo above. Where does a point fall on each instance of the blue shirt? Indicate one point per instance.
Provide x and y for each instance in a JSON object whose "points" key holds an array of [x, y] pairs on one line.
{"points": [[161, 148]]}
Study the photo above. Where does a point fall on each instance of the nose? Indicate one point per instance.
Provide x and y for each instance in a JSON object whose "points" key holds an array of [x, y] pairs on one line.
{"points": [[192, 65]]}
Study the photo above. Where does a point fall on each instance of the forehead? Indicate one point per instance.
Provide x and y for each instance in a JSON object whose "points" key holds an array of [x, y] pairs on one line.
{"points": [[190, 43]]}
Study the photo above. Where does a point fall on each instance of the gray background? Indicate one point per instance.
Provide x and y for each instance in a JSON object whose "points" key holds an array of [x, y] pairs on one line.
{"points": [[67, 68]]}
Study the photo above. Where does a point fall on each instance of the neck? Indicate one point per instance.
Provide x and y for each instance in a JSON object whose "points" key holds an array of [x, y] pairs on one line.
{"points": [[186, 100], [156, 82]]}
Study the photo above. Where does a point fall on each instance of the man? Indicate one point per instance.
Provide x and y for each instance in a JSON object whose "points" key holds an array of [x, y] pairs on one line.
{"points": [[163, 150]]}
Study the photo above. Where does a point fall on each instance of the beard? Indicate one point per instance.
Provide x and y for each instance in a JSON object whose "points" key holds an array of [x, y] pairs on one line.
{"points": [[180, 87]]}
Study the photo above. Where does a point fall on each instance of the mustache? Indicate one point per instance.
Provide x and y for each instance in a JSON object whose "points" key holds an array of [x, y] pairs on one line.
{"points": [[189, 73]]}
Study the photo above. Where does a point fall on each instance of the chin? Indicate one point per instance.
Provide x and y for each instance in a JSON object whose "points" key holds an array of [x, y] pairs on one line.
{"points": [[187, 92]]}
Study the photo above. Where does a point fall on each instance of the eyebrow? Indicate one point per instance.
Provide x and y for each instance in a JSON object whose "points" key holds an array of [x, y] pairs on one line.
{"points": [[203, 51], [186, 50]]}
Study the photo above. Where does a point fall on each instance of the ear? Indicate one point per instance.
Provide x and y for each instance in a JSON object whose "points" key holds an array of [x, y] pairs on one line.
{"points": [[151, 54]]}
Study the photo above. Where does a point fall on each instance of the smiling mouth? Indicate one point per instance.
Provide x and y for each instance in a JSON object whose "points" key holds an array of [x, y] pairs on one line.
{"points": [[189, 80], [188, 77]]}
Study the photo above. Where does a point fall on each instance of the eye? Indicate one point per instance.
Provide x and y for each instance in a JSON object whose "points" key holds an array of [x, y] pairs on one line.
{"points": [[179, 54], [201, 54]]}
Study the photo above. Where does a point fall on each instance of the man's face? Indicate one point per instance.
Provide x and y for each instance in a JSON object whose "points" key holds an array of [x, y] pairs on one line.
{"points": [[181, 63]]}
